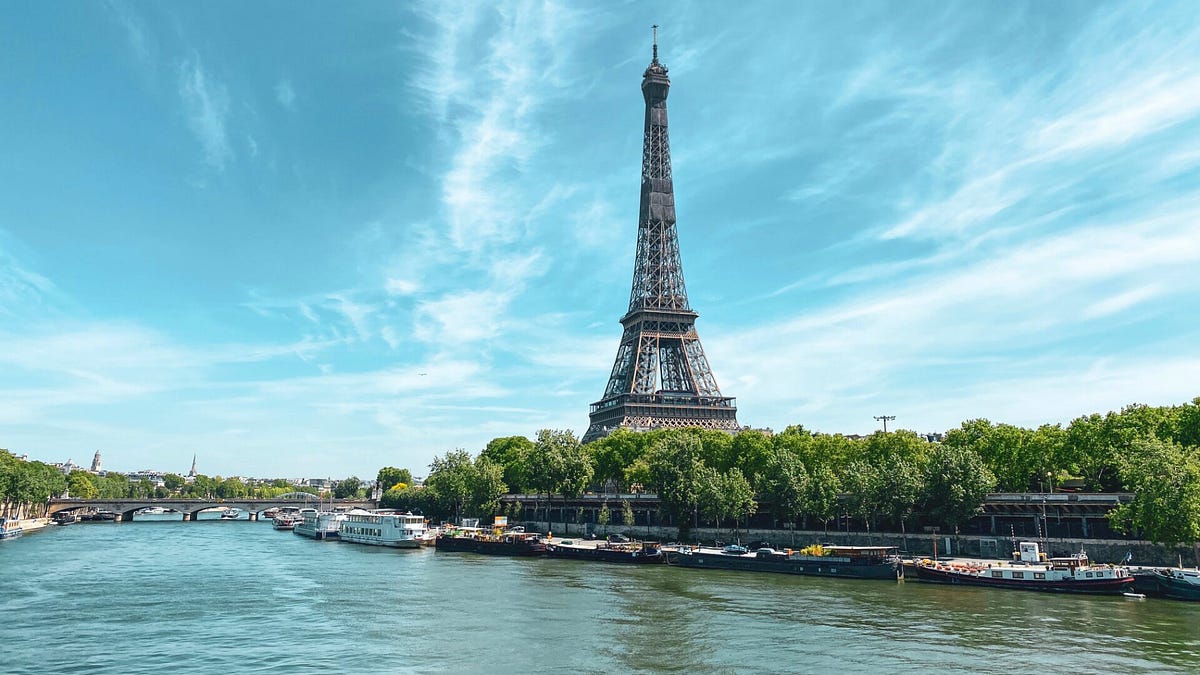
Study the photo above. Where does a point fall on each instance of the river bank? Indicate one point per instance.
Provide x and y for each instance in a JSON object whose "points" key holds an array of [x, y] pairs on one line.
{"points": [[917, 545]]}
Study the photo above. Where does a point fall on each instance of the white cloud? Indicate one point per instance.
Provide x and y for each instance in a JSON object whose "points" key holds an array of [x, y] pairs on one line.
{"points": [[396, 286], [285, 94], [207, 104], [455, 319], [1122, 301]]}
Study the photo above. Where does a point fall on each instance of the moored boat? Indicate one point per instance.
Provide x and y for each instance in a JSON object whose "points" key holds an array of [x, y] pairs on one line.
{"points": [[65, 518], [231, 513], [99, 516], [1030, 571], [319, 525], [495, 541], [151, 511], [10, 528], [849, 562], [284, 521], [633, 552], [383, 528], [1175, 583]]}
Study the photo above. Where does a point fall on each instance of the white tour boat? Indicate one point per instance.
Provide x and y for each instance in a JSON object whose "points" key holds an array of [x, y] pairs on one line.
{"points": [[319, 525], [10, 528], [383, 528]]}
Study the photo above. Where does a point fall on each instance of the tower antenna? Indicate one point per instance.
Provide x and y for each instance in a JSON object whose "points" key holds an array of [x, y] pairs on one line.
{"points": [[655, 27]]}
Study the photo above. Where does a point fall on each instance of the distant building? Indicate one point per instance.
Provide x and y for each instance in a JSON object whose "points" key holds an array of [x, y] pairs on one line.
{"points": [[192, 473], [67, 466], [156, 478], [96, 463]]}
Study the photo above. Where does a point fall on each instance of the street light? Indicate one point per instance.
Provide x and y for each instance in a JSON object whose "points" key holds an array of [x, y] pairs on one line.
{"points": [[884, 419]]}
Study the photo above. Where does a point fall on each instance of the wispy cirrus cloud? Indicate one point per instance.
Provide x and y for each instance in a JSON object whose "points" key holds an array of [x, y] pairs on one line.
{"points": [[206, 103], [489, 99]]}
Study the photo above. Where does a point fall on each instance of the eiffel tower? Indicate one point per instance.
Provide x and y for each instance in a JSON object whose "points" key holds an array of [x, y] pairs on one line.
{"points": [[661, 377]]}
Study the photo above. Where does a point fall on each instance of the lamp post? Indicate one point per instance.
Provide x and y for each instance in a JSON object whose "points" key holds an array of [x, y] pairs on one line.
{"points": [[884, 419]]}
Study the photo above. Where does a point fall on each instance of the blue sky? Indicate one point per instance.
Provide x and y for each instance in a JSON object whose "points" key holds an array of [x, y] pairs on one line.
{"points": [[300, 240]]}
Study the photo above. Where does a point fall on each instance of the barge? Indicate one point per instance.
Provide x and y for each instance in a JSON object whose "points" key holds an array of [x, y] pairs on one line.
{"points": [[848, 562]]}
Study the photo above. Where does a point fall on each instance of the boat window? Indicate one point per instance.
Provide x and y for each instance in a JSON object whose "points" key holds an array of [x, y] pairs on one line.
{"points": [[1088, 575], [996, 574], [1039, 575], [1018, 575]]}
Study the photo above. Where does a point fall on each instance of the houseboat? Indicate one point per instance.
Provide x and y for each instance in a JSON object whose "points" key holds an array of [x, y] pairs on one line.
{"points": [[848, 562], [383, 528], [1030, 571]]}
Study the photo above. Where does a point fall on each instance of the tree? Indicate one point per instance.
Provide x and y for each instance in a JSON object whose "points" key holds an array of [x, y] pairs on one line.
{"points": [[173, 482], [450, 480], [558, 464], [604, 516], [627, 515], [863, 486], [348, 488], [512, 454], [1165, 480], [737, 497], [785, 484], [900, 490], [821, 494], [679, 475], [1093, 451], [80, 485], [486, 483], [412, 499], [956, 483], [390, 477], [613, 455], [750, 452]]}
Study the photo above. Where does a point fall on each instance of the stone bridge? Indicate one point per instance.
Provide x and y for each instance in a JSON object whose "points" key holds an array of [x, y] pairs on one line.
{"points": [[125, 508]]}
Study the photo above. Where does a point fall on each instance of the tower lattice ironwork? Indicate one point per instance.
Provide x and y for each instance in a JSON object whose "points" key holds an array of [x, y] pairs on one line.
{"points": [[661, 377]]}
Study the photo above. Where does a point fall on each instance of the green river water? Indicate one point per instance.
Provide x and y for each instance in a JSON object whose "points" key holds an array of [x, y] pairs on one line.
{"points": [[239, 597]]}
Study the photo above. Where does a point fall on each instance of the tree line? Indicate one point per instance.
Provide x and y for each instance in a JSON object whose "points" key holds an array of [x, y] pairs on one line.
{"points": [[805, 478]]}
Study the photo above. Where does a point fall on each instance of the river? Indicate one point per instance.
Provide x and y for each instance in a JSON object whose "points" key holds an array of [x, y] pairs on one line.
{"points": [[240, 597]]}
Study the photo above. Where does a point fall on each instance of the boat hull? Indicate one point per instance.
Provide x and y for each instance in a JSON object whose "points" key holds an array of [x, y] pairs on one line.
{"points": [[1161, 585], [319, 535], [654, 557], [1114, 586], [379, 541], [781, 565], [488, 547]]}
